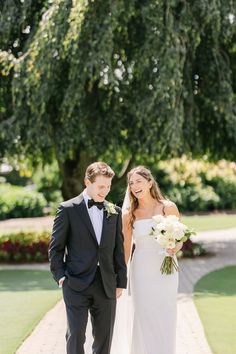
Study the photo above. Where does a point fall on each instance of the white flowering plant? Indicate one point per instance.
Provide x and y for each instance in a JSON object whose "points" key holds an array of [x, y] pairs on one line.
{"points": [[168, 231]]}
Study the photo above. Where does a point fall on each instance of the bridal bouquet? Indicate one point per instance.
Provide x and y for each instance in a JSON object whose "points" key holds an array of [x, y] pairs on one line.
{"points": [[168, 231]]}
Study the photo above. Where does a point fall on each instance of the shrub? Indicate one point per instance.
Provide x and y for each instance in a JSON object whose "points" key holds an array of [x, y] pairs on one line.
{"points": [[24, 247], [197, 185], [48, 181], [16, 202], [193, 198]]}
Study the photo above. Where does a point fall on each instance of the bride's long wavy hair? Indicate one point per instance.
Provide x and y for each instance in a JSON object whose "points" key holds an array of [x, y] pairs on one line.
{"points": [[154, 190]]}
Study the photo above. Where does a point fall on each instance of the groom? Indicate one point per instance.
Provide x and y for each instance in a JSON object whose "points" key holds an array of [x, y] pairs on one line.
{"points": [[87, 260]]}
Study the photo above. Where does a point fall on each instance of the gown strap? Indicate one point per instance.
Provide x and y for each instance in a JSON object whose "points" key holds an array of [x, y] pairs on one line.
{"points": [[163, 210]]}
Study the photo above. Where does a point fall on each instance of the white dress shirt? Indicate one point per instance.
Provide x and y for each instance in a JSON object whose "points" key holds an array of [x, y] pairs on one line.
{"points": [[96, 217]]}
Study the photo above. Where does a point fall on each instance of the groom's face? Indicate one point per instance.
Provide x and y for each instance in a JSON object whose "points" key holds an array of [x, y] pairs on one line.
{"points": [[98, 189]]}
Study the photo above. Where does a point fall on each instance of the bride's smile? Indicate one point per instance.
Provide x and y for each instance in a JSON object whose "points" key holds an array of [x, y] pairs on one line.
{"points": [[139, 186]]}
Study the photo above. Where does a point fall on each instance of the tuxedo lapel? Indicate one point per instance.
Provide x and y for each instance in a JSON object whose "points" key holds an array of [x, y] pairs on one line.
{"points": [[104, 226], [107, 221], [84, 216]]}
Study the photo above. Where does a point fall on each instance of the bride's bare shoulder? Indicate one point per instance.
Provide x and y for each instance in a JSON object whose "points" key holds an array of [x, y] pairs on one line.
{"points": [[167, 203], [170, 208]]}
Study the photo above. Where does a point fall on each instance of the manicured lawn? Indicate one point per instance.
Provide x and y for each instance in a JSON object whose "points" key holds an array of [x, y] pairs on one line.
{"points": [[25, 296], [215, 299], [210, 222]]}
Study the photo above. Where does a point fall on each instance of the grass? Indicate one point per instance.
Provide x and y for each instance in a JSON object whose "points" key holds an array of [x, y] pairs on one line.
{"points": [[215, 299], [210, 222], [25, 296]]}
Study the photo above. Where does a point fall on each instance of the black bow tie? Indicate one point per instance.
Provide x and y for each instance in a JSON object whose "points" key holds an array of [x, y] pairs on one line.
{"points": [[99, 205]]}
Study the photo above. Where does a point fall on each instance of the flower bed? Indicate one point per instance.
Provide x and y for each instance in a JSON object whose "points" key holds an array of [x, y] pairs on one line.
{"points": [[24, 247], [27, 247]]}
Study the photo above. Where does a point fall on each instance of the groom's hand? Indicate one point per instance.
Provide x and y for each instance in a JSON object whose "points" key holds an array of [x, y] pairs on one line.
{"points": [[118, 292], [61, 281]]}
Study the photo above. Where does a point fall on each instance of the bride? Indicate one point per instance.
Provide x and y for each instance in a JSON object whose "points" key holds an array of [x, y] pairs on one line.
{"points": [[153, 295]]}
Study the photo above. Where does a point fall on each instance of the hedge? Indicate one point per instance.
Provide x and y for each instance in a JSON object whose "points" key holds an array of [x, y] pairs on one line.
{"points": [[17, 202], [198, 185]]}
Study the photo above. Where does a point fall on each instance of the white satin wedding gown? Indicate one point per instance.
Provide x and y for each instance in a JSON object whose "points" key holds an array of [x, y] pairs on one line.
{"points": [[146, 320]]}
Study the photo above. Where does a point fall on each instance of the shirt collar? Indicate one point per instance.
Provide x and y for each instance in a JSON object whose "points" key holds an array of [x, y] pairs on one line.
{"points": [[86, 196]]}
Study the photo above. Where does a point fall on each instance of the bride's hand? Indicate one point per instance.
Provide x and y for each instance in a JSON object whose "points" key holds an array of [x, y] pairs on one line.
{"points": [[118, 292], [173, 251]]}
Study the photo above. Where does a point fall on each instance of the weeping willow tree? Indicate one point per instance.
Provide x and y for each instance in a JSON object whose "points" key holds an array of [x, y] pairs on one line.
{"points": [[88, 79]]}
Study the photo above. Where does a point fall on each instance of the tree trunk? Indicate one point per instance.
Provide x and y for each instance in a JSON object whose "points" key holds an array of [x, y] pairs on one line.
{"points": [[73, 171]]}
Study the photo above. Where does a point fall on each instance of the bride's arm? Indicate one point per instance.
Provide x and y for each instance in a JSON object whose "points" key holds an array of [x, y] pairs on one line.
{"points": [[127, 232]]}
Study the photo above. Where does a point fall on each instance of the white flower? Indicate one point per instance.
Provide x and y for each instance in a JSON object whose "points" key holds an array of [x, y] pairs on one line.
{"points": [[156, 233], [166, 241], [161, 227], [172, 219], [158, 218], [179, 231], [161, 240], [184, 227], [110, 209], [179, 234], [170, 228]]}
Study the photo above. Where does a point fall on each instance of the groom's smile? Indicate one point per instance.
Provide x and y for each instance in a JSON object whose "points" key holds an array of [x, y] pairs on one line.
{"points": [[99, 188]]}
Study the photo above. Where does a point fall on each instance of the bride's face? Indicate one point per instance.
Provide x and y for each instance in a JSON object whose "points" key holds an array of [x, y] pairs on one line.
{"points": [[139, 186]]}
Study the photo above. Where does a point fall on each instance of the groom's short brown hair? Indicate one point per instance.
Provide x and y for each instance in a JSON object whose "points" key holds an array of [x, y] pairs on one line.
{"points": [[98, 169]]}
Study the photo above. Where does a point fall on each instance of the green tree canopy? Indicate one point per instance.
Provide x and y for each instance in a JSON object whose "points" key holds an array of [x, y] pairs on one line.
{"points": [[86, 79]]}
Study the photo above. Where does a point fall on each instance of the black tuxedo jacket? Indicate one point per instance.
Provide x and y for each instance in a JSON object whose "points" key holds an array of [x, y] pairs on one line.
{"points": [[74, 251]]}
